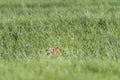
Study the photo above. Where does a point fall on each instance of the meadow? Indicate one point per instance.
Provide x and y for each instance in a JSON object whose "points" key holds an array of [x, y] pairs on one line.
{"points": [[88, 31]]}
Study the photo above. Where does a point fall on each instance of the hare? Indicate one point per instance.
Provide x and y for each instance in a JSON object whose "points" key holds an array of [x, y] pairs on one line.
{"points": [[54, 51]]}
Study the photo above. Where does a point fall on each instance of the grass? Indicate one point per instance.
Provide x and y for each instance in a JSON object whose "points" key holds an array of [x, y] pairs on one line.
{"points": [[87, 31]]}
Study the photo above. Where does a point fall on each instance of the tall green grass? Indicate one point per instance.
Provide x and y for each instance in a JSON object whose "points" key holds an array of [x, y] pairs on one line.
{"points": [[87, 31]]}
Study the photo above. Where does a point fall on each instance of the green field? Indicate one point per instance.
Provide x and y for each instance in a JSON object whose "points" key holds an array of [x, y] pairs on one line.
{"points": [[88, 31]]}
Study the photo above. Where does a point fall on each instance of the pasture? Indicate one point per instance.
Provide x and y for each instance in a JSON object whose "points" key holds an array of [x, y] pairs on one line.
{"points": [[88, 31]]}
